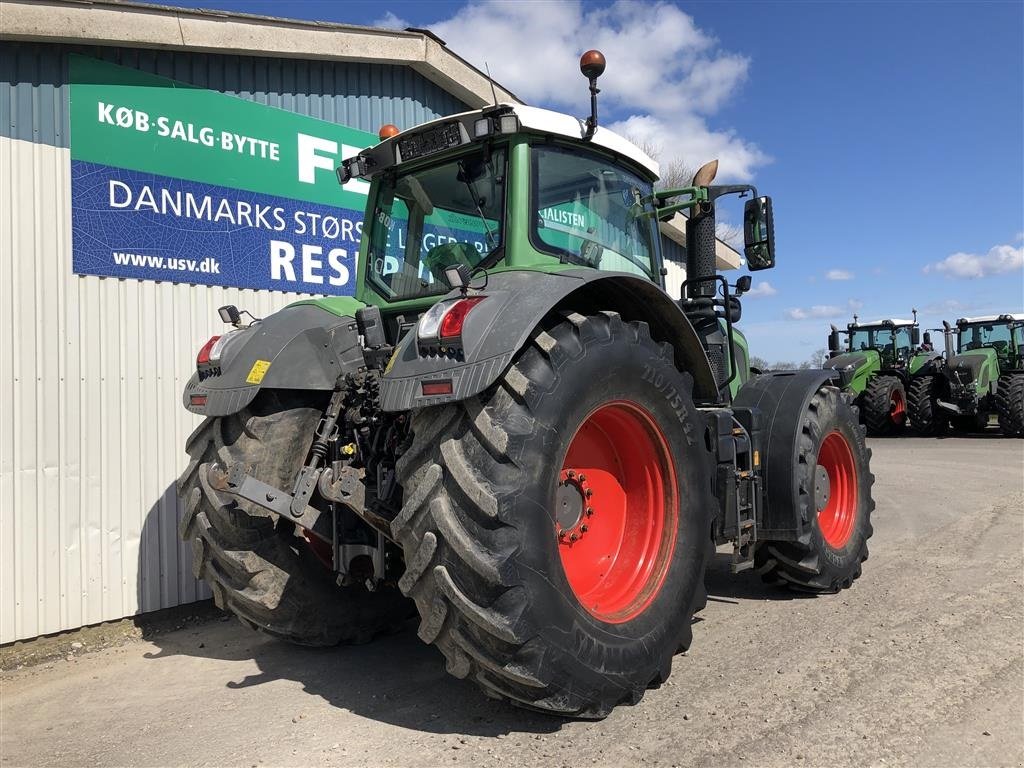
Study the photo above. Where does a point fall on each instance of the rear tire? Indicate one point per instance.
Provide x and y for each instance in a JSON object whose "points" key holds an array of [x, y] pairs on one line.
{"points": [[884, 406], [828, 556], [257, 567], [1010, 404], [922, 405], [485, 563]]}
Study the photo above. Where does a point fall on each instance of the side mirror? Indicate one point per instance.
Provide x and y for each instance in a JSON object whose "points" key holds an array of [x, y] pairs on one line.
{"points": [[927, 337], [759, 234], [833, 340], [915, 337], [743, 284]]}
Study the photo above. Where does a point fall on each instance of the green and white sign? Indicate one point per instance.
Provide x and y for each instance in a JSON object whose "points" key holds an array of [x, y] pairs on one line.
{"points": [[172, 182]]}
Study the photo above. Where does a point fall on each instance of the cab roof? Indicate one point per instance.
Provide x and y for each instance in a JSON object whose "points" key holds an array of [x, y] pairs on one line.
{"points": [[546, 121], [1019, 316], [883, 322]]}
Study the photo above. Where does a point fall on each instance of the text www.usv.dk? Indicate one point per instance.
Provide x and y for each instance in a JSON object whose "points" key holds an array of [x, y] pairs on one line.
{"points": [[209, 265]]}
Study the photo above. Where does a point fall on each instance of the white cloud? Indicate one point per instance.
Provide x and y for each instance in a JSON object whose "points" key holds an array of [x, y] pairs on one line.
{"points": [[390, 21], [999, 260], [763, 288], [838, 274], [664, 75], [817, 312]]}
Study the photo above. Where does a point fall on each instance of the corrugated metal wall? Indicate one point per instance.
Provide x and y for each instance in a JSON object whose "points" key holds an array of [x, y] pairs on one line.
{"points": [[91, 369]]}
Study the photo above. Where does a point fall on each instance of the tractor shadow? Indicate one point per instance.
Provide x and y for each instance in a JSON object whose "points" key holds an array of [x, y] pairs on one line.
{"points": [[395, 679], [723, 586]]}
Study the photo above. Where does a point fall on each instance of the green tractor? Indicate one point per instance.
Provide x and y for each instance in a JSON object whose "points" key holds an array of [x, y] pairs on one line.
{"points": [[983, 374], [881, 359], [514, 425]]}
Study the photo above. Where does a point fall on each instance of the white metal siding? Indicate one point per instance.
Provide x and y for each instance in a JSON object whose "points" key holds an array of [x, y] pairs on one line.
{"points": [[92, 430]]}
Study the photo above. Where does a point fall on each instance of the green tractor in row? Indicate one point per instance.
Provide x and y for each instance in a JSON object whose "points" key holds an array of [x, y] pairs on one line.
{"points": [[882, 359], [982, 376], [514, 425]]}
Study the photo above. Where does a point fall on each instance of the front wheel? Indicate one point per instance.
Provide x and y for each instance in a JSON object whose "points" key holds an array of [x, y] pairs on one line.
{"points": [[556, 528], [834, 497], [922, 403], [884, 406]]}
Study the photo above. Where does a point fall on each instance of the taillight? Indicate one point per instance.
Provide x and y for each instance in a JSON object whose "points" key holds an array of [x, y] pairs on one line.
{"points": [[445, 319], [203, 358], [454, 318], [211, 350]]}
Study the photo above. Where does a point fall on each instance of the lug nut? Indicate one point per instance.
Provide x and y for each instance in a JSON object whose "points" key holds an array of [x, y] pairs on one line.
{"points": [[583, 529], [589, 493], [583, 478], [570, 474], [573, 537], [590, 511]]}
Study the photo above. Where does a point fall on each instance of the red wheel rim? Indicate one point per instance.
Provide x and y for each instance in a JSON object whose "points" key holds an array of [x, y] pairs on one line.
{"points": [[839, 516], [897, 407], [616, 512]]}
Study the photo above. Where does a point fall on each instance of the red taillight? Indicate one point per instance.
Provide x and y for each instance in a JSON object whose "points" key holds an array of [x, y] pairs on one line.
{"points": [[454, 318], [203, 358], [443, 387], [197, 400]]}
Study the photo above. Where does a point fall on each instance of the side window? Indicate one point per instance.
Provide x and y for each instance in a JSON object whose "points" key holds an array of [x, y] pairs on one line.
{"points": [[589, 211]]}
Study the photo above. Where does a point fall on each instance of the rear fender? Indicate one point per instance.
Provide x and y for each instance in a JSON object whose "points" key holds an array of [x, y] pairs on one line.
{"points": [[860, 365], [303, 346], [776, 403], [515, 304]]}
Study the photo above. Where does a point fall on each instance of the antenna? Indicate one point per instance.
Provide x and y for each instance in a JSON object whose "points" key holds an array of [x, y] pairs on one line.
{"points": [[494, 94]]}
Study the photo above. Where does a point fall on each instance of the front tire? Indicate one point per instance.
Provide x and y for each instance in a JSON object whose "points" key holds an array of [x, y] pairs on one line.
{"points": [[1010, 404], [884, 406], [922, 404], [257, 567], [835, 497], [498, 498]]}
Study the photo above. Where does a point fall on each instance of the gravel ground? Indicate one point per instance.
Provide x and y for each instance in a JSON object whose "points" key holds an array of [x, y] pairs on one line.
{"points": [[921, 664]]}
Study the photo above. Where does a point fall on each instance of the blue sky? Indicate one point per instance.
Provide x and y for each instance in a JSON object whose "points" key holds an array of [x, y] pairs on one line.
{"points": [[890, 135]]}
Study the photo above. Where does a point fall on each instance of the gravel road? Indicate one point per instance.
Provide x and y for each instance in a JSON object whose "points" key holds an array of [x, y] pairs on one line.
{"points": [[921, 663]]}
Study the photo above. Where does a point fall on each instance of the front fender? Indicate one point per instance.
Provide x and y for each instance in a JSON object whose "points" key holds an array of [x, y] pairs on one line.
{"points": [[303, 346], [782, 399], [516, 302]]}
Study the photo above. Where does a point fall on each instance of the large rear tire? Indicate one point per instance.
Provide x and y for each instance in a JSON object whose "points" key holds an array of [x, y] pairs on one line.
{"points": [[884, 406], [556, 528], [1010, 404], [257, 567], [835, 497], [922, 406]]}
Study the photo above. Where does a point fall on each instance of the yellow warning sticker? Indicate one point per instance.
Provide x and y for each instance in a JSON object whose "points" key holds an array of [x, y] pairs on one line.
{"points": [[258, 371], [391, 362]]}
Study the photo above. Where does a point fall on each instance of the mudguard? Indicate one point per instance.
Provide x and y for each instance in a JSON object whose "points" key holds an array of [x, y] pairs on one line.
{"points": [[776, 403], [515, 303], [303, 346]]}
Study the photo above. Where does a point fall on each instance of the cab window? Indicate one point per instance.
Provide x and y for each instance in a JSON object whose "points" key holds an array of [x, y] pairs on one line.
{"points": [[432, 218], [589, 211]]}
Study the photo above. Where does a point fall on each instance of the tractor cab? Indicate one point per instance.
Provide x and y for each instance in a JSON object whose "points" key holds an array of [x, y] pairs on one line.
{"points": [[895, 341], [1003, 334], [510, 189]]}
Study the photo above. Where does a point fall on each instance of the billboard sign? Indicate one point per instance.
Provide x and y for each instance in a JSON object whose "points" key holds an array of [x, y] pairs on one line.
{"points": [[177, 183]]}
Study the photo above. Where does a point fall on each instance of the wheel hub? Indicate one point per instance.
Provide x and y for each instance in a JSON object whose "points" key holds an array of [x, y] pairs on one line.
{"points": [[822, 488], [573, 506]]}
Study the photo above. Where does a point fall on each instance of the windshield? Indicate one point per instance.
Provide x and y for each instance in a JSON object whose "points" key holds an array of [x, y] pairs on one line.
{"points": [[881, 339], [996, 336], [435, 217], [588, 211]]}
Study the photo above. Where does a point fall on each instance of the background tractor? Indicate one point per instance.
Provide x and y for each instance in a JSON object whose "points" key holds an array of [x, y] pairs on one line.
{"points": [[983, 374], [880, 361], [517, 427]]}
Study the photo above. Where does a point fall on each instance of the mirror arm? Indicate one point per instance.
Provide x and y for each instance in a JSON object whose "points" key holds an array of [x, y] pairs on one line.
{"points": [[731, 189], [697, 193]]}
